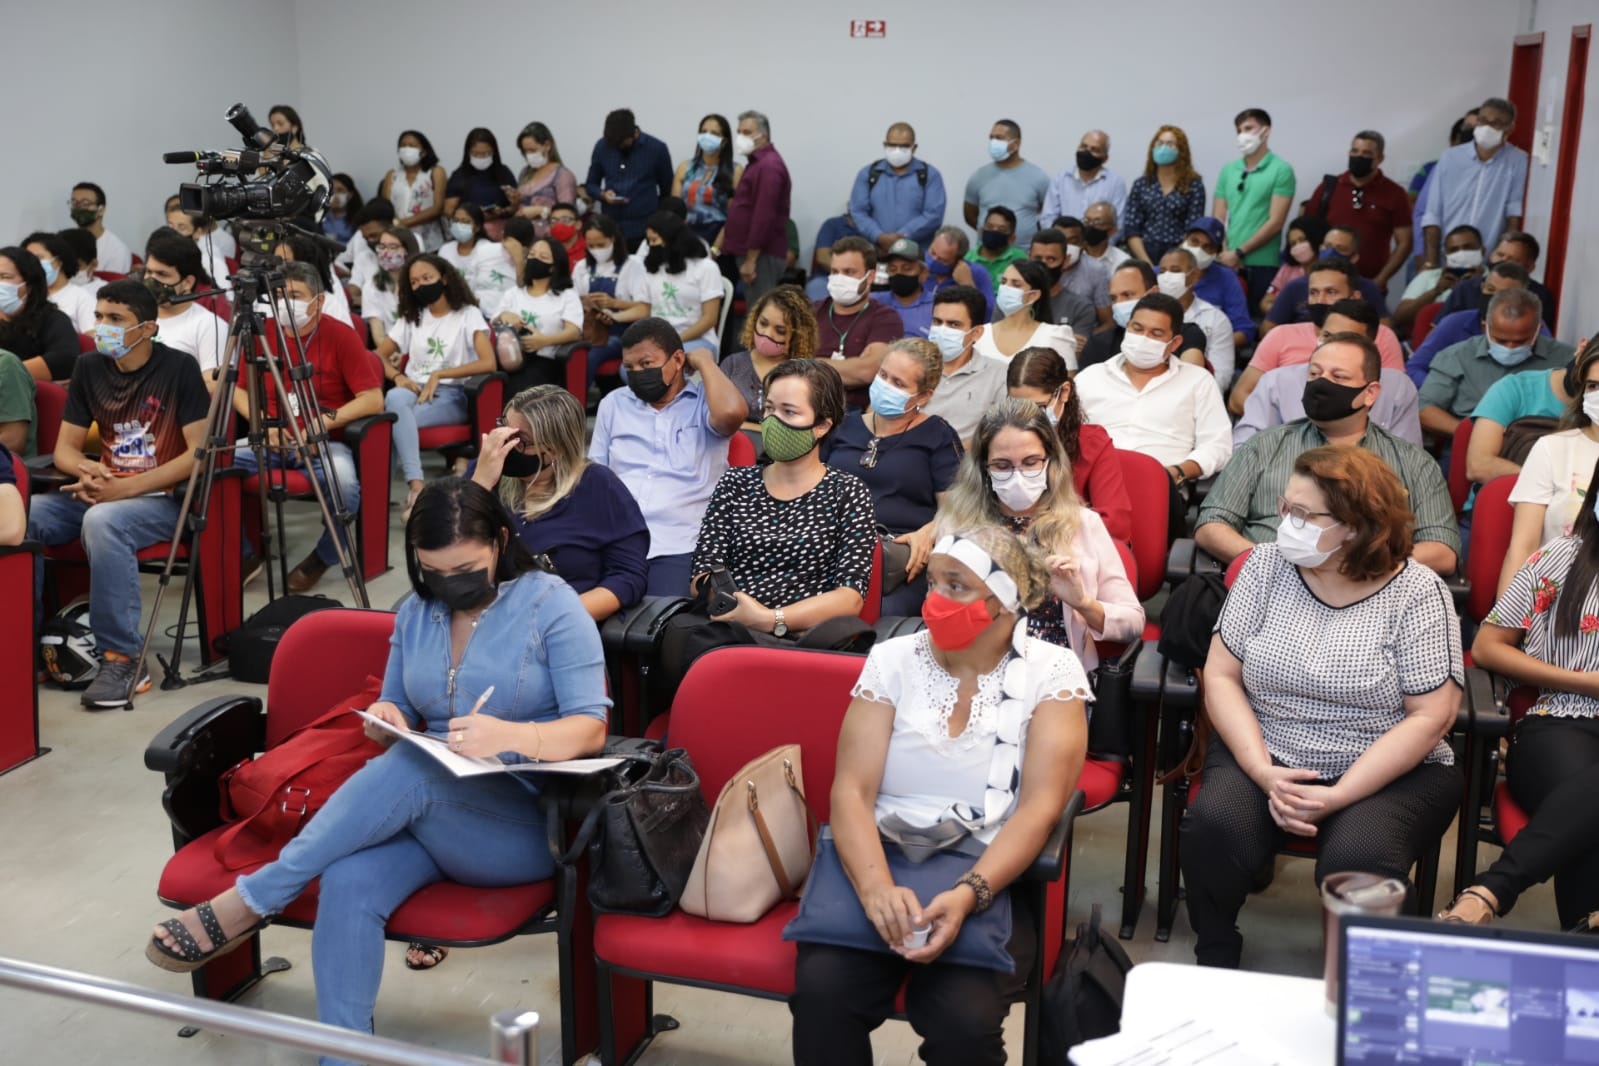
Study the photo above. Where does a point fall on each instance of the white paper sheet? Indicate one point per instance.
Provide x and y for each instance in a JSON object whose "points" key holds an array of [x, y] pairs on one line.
{"points": [[1188, 1042], [465, 766]]}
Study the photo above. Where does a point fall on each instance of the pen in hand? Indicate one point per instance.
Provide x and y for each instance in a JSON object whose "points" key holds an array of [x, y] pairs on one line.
{"points": [[481, 700]]}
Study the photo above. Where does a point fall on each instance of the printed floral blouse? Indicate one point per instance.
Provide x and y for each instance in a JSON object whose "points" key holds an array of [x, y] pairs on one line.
{"points": [[1531, 603]]}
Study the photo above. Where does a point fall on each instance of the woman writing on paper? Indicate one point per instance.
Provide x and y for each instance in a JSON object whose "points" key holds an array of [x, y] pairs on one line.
{"points": [[403, 821]]}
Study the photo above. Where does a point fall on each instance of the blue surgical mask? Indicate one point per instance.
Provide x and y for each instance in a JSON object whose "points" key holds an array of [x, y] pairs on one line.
{"points": [[51, 272], [998, 149], [10, 297], [461, 231], [1122, 312], [1164, 154], [111, 340], [888, 401], [710, 142], [950, 341], [1010, 299], [1506, 356]]}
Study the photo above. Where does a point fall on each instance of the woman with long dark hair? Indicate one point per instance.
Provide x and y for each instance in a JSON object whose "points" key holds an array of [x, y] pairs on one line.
{"points": [[31, 327], [546, 313], [545, 181], [482, 179], [680, 284], [482, 604], [706, 180], [1027, 319], [416, 189]]}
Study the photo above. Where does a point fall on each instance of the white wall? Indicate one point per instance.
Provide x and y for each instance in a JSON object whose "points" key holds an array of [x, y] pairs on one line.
{"points": [[1579, 302], [136, 96]]}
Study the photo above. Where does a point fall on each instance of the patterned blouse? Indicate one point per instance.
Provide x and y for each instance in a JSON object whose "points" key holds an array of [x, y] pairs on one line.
{"points": [[1047, 621], [1161, 218], [1528, 603], [707, 205]]}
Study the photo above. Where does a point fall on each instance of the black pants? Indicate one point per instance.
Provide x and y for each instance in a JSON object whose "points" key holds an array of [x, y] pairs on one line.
{"points": [[1256, 281], [1553, 771], [1229, 842], [842, 994]]}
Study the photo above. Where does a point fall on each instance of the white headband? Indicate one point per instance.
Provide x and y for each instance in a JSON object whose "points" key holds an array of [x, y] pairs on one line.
{"points": [[973, 556]]}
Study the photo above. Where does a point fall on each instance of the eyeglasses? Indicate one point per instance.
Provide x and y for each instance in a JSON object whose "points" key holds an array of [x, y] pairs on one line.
{"points": [[82, 205], [1030, 465], [1296, 515], [523, 443]]}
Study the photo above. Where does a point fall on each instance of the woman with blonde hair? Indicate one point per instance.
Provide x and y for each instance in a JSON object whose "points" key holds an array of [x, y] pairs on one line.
{"points": [[1165, 199], [1017, 475], [780, 326]]}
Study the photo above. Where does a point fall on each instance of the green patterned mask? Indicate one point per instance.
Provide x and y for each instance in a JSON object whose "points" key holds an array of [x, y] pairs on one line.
{"points": [[783, 442]]}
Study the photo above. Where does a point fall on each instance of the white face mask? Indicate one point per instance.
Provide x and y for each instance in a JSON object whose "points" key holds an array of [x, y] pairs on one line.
{"points": [[1298, 546], [1202, 258], [1487, 137], [1073, 253], [1590, 407], [845, 290], [601, 255], [950, 341], [1144, 352], [535, 159], [1465, 259], [1019, 490], [897, 156], [409, 156], [1173, 285], [1248, 143], [300, 313], [482, 162], [743, 145]]}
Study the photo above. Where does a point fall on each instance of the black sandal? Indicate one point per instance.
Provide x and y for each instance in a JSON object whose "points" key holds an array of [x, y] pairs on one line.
{"points": [[433, 953], [189, 957], [1448, 915]]}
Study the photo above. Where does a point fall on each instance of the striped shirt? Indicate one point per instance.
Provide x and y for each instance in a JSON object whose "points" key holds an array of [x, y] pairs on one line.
{"points": [[1529, 603], [1244, 496], [1466, 190]]}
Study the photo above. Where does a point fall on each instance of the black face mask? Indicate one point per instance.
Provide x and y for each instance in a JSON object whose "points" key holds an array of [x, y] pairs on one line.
{"points": [[1087, 160], [522, 464], [459, 592], [1361, 165], [428, 295], [903, 285], [538, 270], [1327, 401], [1095, 236], [1319, 313], [1054, 272], [648, 383], [162, 292]]}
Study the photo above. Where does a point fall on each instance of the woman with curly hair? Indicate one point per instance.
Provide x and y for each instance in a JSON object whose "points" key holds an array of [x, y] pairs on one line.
{"points": [[1165, 199], [779, 327]]}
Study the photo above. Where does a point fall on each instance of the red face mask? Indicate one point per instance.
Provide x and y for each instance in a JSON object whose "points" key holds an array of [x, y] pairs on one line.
{"points": [[953, 626], [563, 231]]}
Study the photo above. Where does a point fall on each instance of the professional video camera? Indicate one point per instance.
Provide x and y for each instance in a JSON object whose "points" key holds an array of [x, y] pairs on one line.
{"points": [[268, 181]]}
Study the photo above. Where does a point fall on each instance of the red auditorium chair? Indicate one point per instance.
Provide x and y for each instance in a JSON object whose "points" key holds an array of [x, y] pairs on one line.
{"points": [[50, 403], [1459, 483], [19, 692], [1425, 319], [485, 402]]}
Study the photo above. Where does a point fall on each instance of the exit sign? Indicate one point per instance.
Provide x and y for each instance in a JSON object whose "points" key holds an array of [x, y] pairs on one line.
{"points": [[868, 28]]}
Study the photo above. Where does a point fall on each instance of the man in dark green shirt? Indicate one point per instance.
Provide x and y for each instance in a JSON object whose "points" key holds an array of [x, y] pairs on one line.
{"points": [[1344, 382]]}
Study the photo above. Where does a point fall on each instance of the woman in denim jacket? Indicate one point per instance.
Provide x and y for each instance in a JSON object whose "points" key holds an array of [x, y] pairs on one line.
{"points": [[404, 821]]}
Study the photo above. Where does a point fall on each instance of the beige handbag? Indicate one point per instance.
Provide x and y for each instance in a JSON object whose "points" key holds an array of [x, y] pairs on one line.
{"points": [[760, 843]]}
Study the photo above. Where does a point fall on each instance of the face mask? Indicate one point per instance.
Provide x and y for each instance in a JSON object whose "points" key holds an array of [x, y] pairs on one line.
{"points": [[1142, 351], [954, 626], [1087, 160], [1360, 166], [535, 159], [409, 156], [1487, 137], [710, 142], [743, 145], [427, 295], [1164, 155], [1095, 236], [767, 348], [300, 313], [1590, 407], [538, 269], [339, 199], [391, 260], [111, 340], [1010, 299], [459, 592], [601, 255], [995, 240], [897, 156], [563, 231], [845, 290], [51, 272], [482, 162], [1508, 357], [951, 342], [1202, 258], [522, 465], [1466, 258], [648, 383], [998, 149], [937, 268], [1019, 490], [1327, 401], [10, 297], [85, 216], [461, 231], [785, 443], [160, 289], [1298, 546], [886, 400], [903, 285], [1248, 143], [1301, 252], [1319, 313], [1122, 310], [1173, 285]]}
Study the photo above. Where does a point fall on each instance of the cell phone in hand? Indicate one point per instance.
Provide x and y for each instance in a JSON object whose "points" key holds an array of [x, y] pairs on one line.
{"points": [[724, 591]]}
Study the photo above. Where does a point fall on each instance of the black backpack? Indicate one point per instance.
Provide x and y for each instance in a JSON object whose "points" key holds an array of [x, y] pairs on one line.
{"points": [[1190, 617], [877, 171], [250, 648], [1083, 998]]}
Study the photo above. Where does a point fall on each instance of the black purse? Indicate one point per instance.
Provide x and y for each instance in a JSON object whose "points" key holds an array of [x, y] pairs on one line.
{"points": [[642, 836]]}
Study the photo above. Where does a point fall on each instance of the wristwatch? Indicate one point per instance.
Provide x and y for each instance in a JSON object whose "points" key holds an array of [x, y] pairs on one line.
{"points": [[1181, 475], [779, 627]]}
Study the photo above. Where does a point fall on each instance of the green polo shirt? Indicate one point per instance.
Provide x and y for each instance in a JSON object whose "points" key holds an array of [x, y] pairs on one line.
{"points": [[1249, 207], [1244, 495], [996, 267], [1462, 374], [17, 399]]}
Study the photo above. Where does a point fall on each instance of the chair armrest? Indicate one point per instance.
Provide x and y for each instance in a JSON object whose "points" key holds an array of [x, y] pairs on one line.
{"points": [[195, 751], [1187, 558], [1484, 713], [356, 431], [29, 547], [43, 475], [1459, 588], [1149, 673], [1051, 861]]}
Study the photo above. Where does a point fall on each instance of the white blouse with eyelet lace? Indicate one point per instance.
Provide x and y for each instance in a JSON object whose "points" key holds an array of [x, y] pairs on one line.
{"points": [[926, 770]]}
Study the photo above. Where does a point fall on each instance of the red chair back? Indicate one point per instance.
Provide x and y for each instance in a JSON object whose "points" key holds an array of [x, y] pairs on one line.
{"points": [[85, 344], [1149, 489], [19, 470], [1491, 518], [1459, 484], [323, 658], [804, 695], [872, 609], [1235, 567], [106, 275], [1425, 318], [740, 450], [50, 403]]}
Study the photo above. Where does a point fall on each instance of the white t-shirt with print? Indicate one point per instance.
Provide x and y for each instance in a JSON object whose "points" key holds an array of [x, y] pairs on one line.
{"points": [[198, 331], [543, 314], [487, 269], [381, 304], [1556, 474], [437, 343], [77, 302], [678, 298]]}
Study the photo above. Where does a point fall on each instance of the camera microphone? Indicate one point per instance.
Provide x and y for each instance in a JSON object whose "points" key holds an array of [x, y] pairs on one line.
{"points": [[183, 157]]}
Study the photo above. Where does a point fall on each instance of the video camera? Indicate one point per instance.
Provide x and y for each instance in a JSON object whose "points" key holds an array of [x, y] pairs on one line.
{"points": [[266, 181]]}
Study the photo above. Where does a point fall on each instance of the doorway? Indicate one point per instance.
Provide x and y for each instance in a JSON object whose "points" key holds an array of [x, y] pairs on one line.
{"points": [[1566, 164]]}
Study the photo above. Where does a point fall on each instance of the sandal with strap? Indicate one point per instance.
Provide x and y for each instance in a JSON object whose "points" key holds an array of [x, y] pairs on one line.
{"points": [[1448, 913], [432, 953], [189, 957]]}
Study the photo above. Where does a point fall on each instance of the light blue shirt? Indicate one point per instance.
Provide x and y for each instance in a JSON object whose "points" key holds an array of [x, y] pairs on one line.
{"points": [[1520, 396], [1021, 188], [917, 318], [1464, 190], [669, 460], [898, 203], [1070, 195], [1279, 397]]}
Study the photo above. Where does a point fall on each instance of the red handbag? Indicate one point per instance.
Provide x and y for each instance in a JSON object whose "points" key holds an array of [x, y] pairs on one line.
{"points": [[269, 798]]}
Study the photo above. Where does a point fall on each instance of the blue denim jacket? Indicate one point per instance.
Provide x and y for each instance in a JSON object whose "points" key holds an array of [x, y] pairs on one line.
{"points": [[535, 644]]}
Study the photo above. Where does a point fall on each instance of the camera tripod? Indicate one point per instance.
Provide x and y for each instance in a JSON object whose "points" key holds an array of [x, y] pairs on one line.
{"points": [[298, 429]]}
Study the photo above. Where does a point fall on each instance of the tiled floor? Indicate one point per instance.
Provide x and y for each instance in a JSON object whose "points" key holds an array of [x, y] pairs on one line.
{"points": [[84, 840]]}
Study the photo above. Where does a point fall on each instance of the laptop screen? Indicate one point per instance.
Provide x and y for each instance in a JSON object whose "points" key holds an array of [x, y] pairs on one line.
{"points": [[1420, 992]]}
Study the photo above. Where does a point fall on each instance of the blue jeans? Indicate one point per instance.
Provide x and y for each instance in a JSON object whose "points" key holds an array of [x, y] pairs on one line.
{"points": [[399, 823], [448, 408], [669, 575], [602, 353], [112, 535], [343, 463]]}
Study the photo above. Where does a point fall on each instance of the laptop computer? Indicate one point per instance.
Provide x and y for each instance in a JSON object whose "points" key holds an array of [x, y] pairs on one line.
{"points": [[1422, 992]]}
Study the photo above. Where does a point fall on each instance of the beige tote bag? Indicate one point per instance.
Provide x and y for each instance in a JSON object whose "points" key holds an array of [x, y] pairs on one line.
{"points": [[760, 843]]}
